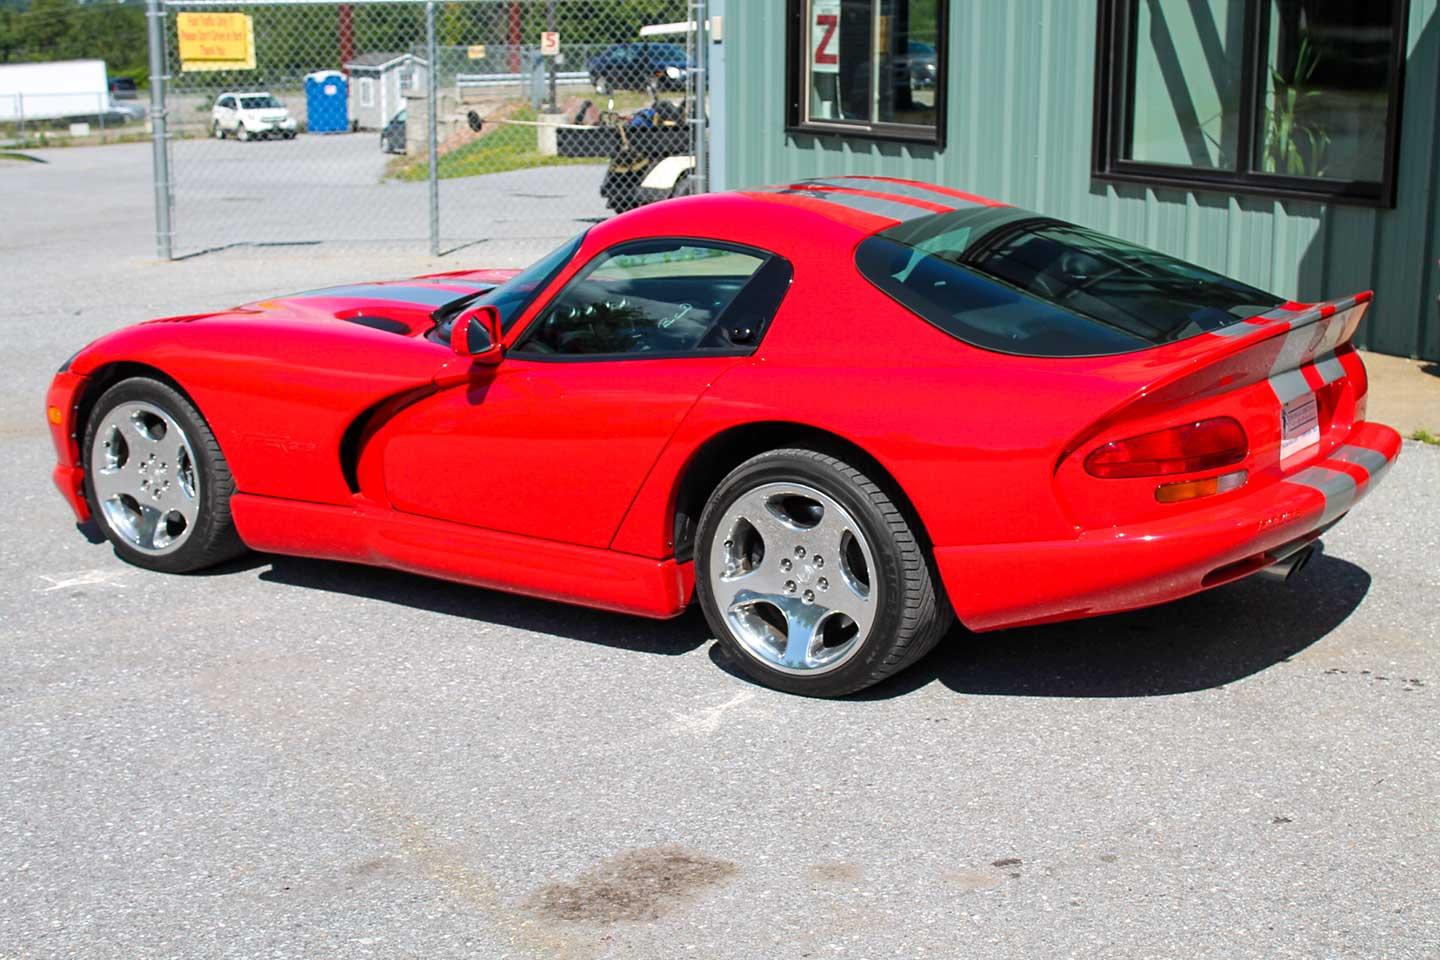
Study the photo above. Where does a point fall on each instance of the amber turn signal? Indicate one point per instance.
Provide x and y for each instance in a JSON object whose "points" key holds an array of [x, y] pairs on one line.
{"points": [[55, 414], [1192, 489]]}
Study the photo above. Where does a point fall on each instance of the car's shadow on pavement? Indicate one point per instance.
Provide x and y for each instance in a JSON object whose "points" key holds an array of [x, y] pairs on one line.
{"points": [[643, 635], [1198, 643]]}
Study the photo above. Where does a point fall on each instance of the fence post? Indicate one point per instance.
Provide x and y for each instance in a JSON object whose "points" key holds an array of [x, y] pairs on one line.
{"points": [[431, 111], [700, 14], [159, 145]]}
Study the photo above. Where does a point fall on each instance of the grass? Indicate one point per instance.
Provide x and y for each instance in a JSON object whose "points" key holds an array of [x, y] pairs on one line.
{"points": [[505, 147], [1425, 436]]}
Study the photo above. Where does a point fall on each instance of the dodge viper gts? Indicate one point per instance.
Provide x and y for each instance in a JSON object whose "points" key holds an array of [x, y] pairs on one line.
{"points": [[838, 414]]}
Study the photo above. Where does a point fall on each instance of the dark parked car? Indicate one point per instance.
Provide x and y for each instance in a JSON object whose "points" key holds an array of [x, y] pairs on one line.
{"points": [[123, 88], [635, 66], [392, 138], [920, 60]]}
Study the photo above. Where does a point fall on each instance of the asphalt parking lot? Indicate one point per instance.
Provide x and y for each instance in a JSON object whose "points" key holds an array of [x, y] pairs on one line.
{"points": [[289, 758], [333, 188]]}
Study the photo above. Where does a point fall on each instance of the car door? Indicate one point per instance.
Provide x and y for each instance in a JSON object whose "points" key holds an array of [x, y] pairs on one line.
{"points": [[225, 113], [555, 441]]}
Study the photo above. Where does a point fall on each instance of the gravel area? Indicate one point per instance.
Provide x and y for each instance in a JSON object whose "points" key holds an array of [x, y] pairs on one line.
{"points": [[289, 758]]}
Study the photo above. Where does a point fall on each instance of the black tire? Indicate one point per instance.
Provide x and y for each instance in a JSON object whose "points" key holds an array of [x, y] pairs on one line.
{"points": [[911, 614], [684, 187], [213, 540], [602, 85]]}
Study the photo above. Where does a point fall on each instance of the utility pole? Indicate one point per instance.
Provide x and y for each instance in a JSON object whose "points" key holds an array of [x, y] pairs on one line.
{"points": [[347, 35], [431, 119], [514, 36], [159, 142], [700, 14], [550, 25]]}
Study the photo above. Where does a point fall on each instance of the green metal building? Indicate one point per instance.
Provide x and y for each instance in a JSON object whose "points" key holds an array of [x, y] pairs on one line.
{"points": [[1292, 144]]}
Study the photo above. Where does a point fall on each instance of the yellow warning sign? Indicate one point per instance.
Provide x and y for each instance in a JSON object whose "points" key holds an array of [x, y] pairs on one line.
{"points": [[216, 41]]}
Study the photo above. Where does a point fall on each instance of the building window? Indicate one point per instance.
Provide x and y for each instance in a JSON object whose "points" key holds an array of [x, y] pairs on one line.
{"points": [[367, 92], [1295, 98], [868, 68]]}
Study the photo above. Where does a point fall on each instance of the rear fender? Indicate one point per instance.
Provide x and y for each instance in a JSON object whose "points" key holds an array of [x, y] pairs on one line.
{"points": [[667, 173]]}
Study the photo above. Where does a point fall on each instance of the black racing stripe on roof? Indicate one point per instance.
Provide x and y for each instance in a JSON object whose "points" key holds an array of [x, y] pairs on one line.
{"points": [[892, 209], [915, 191]]}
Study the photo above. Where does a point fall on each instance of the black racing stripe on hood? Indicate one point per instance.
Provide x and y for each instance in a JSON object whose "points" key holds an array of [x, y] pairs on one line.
{"points": [[428, 296]]}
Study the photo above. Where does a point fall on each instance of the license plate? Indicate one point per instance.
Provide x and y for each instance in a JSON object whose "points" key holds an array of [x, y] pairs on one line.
{"points": [[1300, 426]]}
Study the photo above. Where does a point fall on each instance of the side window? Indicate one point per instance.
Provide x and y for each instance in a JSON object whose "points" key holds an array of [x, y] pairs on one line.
{"points": [[227, 102], [662, 297]]}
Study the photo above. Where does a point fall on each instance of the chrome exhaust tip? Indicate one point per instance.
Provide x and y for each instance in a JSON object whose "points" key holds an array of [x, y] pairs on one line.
{"points": [[1287, 566]]}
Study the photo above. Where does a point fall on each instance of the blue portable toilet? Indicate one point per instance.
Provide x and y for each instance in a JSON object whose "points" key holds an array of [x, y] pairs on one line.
{"points": [[327, 104]]}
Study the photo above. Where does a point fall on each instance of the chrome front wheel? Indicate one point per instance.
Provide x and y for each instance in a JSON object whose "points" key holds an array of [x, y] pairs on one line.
{"points": [[144, 476], [157, 483]]}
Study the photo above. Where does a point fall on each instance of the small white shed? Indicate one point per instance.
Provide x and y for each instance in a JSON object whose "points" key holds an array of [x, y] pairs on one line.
{"points": [[378, 84]]}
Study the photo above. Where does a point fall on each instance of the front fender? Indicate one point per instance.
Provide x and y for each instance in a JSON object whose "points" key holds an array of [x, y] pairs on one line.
{"points": [[278, 394]]}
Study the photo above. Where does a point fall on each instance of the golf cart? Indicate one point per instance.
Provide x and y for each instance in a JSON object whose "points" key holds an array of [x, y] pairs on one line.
{"points": [[652, 150]]}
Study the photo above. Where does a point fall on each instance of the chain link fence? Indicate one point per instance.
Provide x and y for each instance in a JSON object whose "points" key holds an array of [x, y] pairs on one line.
{"points": [[56, 119], [407, 122]]}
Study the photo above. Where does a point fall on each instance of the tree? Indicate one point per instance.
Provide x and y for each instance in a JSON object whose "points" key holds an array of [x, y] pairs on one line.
{"points": [[67, 30]]}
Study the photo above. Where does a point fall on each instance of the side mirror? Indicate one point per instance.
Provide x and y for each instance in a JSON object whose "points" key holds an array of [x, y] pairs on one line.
{"points": [[476, 334]]}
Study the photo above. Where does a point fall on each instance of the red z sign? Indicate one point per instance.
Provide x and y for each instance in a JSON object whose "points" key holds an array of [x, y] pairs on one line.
{"points": [[823, 54]]}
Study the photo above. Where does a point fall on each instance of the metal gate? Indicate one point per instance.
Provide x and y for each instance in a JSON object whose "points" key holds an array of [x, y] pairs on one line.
{"points": [[415, 122]]}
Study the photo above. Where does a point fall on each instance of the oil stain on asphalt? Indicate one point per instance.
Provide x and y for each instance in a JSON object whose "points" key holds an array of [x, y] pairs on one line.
{"points": [[636, 885], [836, 871]]}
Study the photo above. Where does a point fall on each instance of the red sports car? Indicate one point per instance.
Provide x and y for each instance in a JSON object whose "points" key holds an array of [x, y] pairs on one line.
{"points": [[837, 413]]}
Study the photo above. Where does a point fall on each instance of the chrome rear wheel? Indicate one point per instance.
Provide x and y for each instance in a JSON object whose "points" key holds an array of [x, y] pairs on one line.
{"points": [[811, 575], [790, 572]]}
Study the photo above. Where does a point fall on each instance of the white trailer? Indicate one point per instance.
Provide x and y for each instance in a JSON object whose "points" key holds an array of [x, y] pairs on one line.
{"points": [[54, 91]]}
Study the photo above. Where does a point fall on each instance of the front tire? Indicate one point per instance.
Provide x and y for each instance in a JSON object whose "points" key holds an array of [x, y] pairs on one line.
{"points": [[157, 483], [242, 134], [602, 85], [812, 577], [217, 131]]}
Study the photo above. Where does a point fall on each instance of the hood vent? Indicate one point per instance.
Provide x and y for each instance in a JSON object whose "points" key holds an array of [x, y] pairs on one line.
{"points": [[381, 323]]}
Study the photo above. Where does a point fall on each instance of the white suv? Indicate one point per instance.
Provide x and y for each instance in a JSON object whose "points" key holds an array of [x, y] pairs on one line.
{"points": [[250, 115]]}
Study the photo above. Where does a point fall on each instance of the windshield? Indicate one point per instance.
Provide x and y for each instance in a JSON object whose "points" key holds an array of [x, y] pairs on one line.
{"points": [[514, 295], [1006, 279], [265, 102]]}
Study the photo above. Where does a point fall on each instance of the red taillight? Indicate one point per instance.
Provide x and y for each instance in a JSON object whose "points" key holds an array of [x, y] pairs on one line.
{"points": [[1190, 448]]}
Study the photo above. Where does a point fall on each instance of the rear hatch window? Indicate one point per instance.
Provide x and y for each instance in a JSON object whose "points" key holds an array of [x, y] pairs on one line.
{"points": [[1009, 280]]}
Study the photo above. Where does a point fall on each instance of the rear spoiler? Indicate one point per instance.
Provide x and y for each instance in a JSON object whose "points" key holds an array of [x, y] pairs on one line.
{"points": [[1278, 345], [1307, 334]]}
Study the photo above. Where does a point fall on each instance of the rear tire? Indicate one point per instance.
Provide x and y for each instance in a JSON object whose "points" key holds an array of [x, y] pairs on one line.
{"points": [[156, 480], [602, 86], [812, 577], [242, 134], [684, 187]]}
